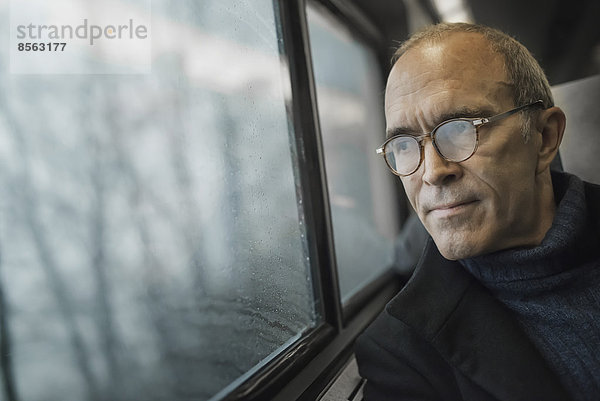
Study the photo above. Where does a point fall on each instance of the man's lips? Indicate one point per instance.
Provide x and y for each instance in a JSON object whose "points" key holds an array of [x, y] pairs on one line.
{"points": [[448, 208]]}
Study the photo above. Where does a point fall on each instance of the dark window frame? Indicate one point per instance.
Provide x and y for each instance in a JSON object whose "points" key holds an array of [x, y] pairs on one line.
{"points": [[303, 371]]}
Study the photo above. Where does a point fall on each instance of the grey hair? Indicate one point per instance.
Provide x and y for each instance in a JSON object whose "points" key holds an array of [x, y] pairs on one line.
{"points": [[528, 80]]}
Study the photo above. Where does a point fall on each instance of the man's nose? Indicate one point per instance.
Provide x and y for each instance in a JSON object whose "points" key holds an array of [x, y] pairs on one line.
{"points": [[437, 170]]}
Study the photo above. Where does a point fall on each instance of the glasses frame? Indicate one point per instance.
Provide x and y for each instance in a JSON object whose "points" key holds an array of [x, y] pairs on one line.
{"points": [[477, 122]]}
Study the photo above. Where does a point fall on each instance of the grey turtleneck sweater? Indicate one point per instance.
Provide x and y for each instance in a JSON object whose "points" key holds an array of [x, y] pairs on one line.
{"points": [[553, 290]]}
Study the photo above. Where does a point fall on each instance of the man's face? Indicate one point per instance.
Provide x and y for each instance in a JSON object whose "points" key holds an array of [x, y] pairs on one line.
{"points": [[490, 201]]}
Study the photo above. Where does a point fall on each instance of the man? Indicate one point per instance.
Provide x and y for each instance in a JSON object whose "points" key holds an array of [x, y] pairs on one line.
{"points": [[504, 304]]}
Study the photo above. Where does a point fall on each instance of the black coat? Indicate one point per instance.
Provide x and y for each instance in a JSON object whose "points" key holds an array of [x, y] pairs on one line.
{"points": [[444, 337]]}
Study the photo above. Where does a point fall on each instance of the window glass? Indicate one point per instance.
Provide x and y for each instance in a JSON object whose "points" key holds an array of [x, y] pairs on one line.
{"points": [[361, 194], [151, 243]]}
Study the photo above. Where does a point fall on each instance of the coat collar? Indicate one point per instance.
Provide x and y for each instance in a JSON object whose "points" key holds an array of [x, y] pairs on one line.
{"points": [[472, 331]]}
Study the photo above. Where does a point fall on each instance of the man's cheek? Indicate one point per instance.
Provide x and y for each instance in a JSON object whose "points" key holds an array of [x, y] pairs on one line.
{"points": [[411, 192]]}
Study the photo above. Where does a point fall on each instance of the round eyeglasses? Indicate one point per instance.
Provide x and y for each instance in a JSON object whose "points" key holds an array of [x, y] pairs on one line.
{"points": [[454, 140]]}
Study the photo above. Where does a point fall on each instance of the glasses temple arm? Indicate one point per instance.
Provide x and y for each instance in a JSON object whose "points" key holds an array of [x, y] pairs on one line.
{"points": [[500, 116]]}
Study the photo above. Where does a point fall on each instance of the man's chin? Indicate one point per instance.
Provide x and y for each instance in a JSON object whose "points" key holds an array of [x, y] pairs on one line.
{"points": [[457, 248]]}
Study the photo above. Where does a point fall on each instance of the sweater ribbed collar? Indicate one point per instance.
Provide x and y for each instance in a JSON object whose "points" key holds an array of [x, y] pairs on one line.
{"points": [[567, 244]]}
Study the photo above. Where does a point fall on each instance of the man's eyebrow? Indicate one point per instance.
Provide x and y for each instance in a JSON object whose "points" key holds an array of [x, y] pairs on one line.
{"points": [[463, 112]]}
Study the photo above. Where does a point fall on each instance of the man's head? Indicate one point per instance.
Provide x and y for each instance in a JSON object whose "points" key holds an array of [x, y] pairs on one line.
{"points": [[501, 197]]}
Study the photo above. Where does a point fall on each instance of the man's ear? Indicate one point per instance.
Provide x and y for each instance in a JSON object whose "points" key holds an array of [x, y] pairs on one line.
{"points": [[551, 126]]}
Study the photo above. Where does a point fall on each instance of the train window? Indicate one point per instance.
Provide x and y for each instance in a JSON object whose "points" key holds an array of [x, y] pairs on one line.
{"points": [[152, 244], [361, 193]]}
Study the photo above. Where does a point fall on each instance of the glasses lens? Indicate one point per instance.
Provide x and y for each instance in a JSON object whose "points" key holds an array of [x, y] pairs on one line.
{"points": [[403, 154], [456, 140]]}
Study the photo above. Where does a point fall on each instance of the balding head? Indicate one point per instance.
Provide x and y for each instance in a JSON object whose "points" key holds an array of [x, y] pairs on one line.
{"points": [[529, 83]]}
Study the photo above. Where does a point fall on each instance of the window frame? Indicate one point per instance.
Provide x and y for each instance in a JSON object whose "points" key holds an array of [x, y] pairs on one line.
{"points": [[364, 31], [303, 371]]}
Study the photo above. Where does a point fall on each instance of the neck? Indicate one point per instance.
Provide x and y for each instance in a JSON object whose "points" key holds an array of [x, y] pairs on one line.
{"points": [[544, 209]]}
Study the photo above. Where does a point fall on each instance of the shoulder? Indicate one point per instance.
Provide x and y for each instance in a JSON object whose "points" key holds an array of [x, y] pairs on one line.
{"points": [[394, 359], [395, 354], [422, 306], [431, 294]]}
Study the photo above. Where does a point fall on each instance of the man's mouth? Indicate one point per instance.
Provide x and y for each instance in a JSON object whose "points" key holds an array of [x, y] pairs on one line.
{"points": [[452, 208]]}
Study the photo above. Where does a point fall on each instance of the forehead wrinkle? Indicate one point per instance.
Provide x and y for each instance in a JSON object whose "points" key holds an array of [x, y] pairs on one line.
{"points": [[404, 92], [426, 113], [406, 85]]}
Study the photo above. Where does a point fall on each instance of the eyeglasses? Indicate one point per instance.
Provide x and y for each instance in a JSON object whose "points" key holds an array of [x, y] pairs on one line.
{"points": [[454, 140]]}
